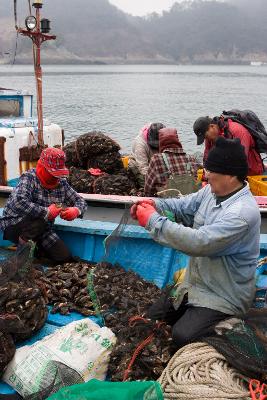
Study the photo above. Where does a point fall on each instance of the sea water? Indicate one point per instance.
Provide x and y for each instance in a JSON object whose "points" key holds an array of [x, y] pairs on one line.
{"points": [[120, 99]]}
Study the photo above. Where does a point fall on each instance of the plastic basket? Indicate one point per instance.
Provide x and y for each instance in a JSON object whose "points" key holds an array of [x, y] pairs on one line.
{"points": [[199, 174], [125, 161], [258, 185]]}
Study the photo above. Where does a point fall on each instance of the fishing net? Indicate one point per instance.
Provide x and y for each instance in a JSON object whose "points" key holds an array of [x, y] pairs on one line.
{"points": [[7, 350], [30, 153], [22, 302], [66, 288], [114, 296], [93, 150], [97, 390], [81, 180], [97, 151], [116, 184], [119, 185], [244, 343], [108, 162], [132, 247], [114, 242], [54, 376]]}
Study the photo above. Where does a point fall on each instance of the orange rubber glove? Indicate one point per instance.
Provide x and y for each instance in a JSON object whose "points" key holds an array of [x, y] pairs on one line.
{"points": [[70, 213], [144, 212], [140, 202], [53, 212]]}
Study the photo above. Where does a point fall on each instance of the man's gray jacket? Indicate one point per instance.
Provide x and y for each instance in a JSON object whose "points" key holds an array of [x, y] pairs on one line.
{"points": [[223, 241]]}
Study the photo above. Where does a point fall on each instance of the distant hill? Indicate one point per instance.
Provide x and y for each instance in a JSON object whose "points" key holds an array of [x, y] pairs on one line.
{"points": [[90, 31]]}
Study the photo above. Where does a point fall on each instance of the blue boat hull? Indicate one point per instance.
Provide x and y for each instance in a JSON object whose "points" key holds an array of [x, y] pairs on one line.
{"points": [[134, 250]]}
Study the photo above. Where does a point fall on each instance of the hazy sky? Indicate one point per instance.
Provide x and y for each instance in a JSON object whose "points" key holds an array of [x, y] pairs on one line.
{"points": [[142, 7]]}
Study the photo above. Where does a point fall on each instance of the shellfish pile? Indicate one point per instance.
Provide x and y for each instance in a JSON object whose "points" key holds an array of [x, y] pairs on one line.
{"points": [[129, 295], [121, 295], [7, 350], [23, 308], [66, 288], [81, 180], [120, 184], [94, 150]]}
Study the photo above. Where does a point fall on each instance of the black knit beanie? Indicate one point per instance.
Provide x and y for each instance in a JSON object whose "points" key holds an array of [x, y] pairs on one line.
{"points": [[228, 157], [153, 135]]}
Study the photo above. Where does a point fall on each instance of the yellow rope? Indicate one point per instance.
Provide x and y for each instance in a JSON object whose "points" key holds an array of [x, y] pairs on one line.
{"points": [[198, 371]]}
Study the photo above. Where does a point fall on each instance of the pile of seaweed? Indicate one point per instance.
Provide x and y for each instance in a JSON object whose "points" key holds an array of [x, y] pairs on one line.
{"points": [[120, 296], [23, 308], [95, 150]]}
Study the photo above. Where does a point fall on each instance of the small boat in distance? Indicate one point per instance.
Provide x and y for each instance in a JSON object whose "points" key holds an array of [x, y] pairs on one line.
{"points": [[257, 63]]}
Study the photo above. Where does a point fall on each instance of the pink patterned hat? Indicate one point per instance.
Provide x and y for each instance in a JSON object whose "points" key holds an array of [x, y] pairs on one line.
{"points": [[54, 162]]}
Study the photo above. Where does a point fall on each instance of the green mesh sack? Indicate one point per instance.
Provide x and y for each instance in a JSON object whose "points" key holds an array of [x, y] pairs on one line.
{"points": [[98, 390], [244, 343]]}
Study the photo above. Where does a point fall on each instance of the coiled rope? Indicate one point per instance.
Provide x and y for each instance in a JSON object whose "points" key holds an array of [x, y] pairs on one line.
{"points": [[198, 371]]}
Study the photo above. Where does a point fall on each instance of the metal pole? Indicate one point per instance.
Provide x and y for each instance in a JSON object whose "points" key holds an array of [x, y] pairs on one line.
{"points": [[38, 38], [38, 76]]}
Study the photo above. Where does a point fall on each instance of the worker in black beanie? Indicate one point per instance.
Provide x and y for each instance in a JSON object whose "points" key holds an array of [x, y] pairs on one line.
{"points": [[219, 228], [228, 157]]}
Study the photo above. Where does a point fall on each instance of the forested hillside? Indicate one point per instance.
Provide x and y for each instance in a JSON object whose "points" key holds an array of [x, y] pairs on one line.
{"points": [[96, 31]]}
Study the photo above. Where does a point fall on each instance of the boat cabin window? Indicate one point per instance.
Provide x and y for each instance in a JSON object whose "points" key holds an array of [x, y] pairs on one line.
{"points": [[9, 108]]}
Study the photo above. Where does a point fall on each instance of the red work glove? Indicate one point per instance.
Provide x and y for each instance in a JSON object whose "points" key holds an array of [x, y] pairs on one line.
{"points": [[70, 213], [144, 212], [53, 212], [138, 203]]}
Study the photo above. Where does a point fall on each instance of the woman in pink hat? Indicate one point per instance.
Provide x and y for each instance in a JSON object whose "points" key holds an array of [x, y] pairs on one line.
{"points": [[42, 195]]}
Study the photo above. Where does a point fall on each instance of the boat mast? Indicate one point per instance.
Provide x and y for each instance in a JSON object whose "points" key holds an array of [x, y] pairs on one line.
{"points": [[37, 30]]}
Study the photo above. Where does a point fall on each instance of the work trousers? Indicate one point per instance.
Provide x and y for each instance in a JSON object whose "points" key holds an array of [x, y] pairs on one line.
{"points": [[189, 323], [33, 229]]}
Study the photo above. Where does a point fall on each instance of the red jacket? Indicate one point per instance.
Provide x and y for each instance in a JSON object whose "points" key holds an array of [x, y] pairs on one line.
{"points": [[255, 165]]}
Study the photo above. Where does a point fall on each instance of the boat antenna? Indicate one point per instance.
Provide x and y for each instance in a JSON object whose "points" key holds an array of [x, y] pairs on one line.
{"points": [[37, 30], [15, 14]]}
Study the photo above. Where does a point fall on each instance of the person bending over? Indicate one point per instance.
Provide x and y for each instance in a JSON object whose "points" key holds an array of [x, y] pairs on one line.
{"points": [[170, 161], [144, 146], [209, 129]]}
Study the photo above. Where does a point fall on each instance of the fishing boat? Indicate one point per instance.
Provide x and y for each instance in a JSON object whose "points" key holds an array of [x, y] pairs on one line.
{"points": [[156, 263], [19, 134], [256, 63]]}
